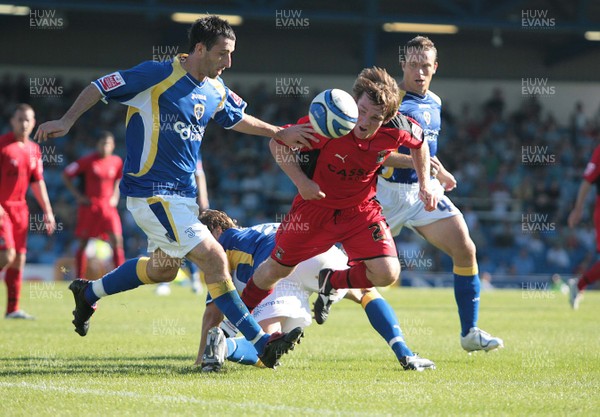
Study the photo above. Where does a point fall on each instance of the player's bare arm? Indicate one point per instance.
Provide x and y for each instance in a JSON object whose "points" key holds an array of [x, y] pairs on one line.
{"points": [[41, 195], [58, 128], [577, 212], [295, 136], [421, 162], [114, 199], [308, 189], [202, 198]]}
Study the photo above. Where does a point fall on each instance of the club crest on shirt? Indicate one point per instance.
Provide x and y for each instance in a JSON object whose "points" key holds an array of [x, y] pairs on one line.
{"points": [[199, 111], [427, 117], [381, 156]]}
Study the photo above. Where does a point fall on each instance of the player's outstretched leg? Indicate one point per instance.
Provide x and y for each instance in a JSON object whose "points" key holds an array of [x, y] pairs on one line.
{"points": [[215, 351], [83, 310], [478, 339], [278, 345], [128, 276], [416, 363], [323, 302], [382, 317]]}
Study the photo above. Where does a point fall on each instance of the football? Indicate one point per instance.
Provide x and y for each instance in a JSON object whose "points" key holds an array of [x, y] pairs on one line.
{"points": [[333, 113]]}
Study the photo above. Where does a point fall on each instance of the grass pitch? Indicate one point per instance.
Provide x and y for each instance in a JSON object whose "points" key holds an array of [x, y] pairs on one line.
{"points": [[137, 360]]}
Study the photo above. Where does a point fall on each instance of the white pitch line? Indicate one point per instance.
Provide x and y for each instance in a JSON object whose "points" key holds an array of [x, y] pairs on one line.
{"points": [[161, 398]]}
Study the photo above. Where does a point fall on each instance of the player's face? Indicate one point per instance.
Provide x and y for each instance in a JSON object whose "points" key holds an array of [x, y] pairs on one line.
{"points": [[218, 58], [22, 123], [419, 67], [106, 146], [370, 118]]}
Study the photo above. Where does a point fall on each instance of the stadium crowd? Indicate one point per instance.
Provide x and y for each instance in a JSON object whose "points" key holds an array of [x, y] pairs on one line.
{"points": [[518, 175]]}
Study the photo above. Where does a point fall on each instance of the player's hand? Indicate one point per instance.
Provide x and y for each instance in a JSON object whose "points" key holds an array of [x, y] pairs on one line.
{"points": [[574, 217], [297, 136], [429, 198], [114, 202], [50, 130], [2, 214], [50, 223], [310, 190], [447, 180]]}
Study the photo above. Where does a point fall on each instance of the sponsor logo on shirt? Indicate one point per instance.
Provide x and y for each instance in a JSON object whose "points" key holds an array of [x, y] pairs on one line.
{"points": [[111, 81], [236, 99]]}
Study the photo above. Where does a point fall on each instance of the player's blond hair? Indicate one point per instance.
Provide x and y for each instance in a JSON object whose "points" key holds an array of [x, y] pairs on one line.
{"points": [[381, 89], [215, 218]]}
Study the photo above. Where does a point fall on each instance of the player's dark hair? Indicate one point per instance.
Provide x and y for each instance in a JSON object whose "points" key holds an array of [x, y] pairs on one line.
{"points": [[421, 43], [381, 88], [215, 218], [207, 31], [104, 134], [22, 107]]}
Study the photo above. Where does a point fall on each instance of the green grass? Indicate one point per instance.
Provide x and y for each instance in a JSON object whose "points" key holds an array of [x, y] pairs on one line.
{"points": [[137, 360]]}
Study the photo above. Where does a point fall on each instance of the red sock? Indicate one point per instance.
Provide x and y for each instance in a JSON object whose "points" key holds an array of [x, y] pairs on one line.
{"points": [[13, 280], [590, 276], [355, 277], [252, 295], [80, 263], [118, 256]]}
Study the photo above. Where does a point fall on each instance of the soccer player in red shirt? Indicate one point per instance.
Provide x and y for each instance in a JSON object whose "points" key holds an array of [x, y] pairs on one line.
{"points": [[97, 216], [20, 165], [591, 176], [336, 202]]}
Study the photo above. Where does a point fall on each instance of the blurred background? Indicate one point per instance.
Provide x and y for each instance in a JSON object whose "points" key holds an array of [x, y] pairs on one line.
{"points": [[519, 81]]}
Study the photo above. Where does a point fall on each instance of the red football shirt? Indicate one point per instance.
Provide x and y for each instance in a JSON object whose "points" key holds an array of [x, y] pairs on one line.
{"points": [[346, 167], [98, 175], [20, 164]]}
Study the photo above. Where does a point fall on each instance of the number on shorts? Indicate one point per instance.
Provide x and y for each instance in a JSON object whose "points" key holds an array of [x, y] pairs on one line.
{"points": [[378, 231], [443, 205]]}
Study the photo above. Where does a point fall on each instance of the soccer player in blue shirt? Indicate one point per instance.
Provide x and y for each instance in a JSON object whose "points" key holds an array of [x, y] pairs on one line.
{"points": [[169, 105], [288, 306], [397, 191]]}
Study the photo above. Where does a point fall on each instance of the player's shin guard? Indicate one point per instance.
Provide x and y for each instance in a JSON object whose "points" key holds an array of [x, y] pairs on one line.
{"points": [[229, 302], [13, 279], [466, 293], [590, 276], [241, 351], [354, 277], [252, 295], [383, 319], [128, 276]]}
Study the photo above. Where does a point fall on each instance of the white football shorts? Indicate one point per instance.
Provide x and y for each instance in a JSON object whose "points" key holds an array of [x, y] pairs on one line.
{"points": [[170, 222], [402, 207], [291, 296]]}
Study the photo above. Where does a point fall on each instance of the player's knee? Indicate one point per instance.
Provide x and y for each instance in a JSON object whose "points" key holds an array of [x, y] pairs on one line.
{"points": [[465, 252], [6, 257], [163, 273], [385, 272], [18, 261]]}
